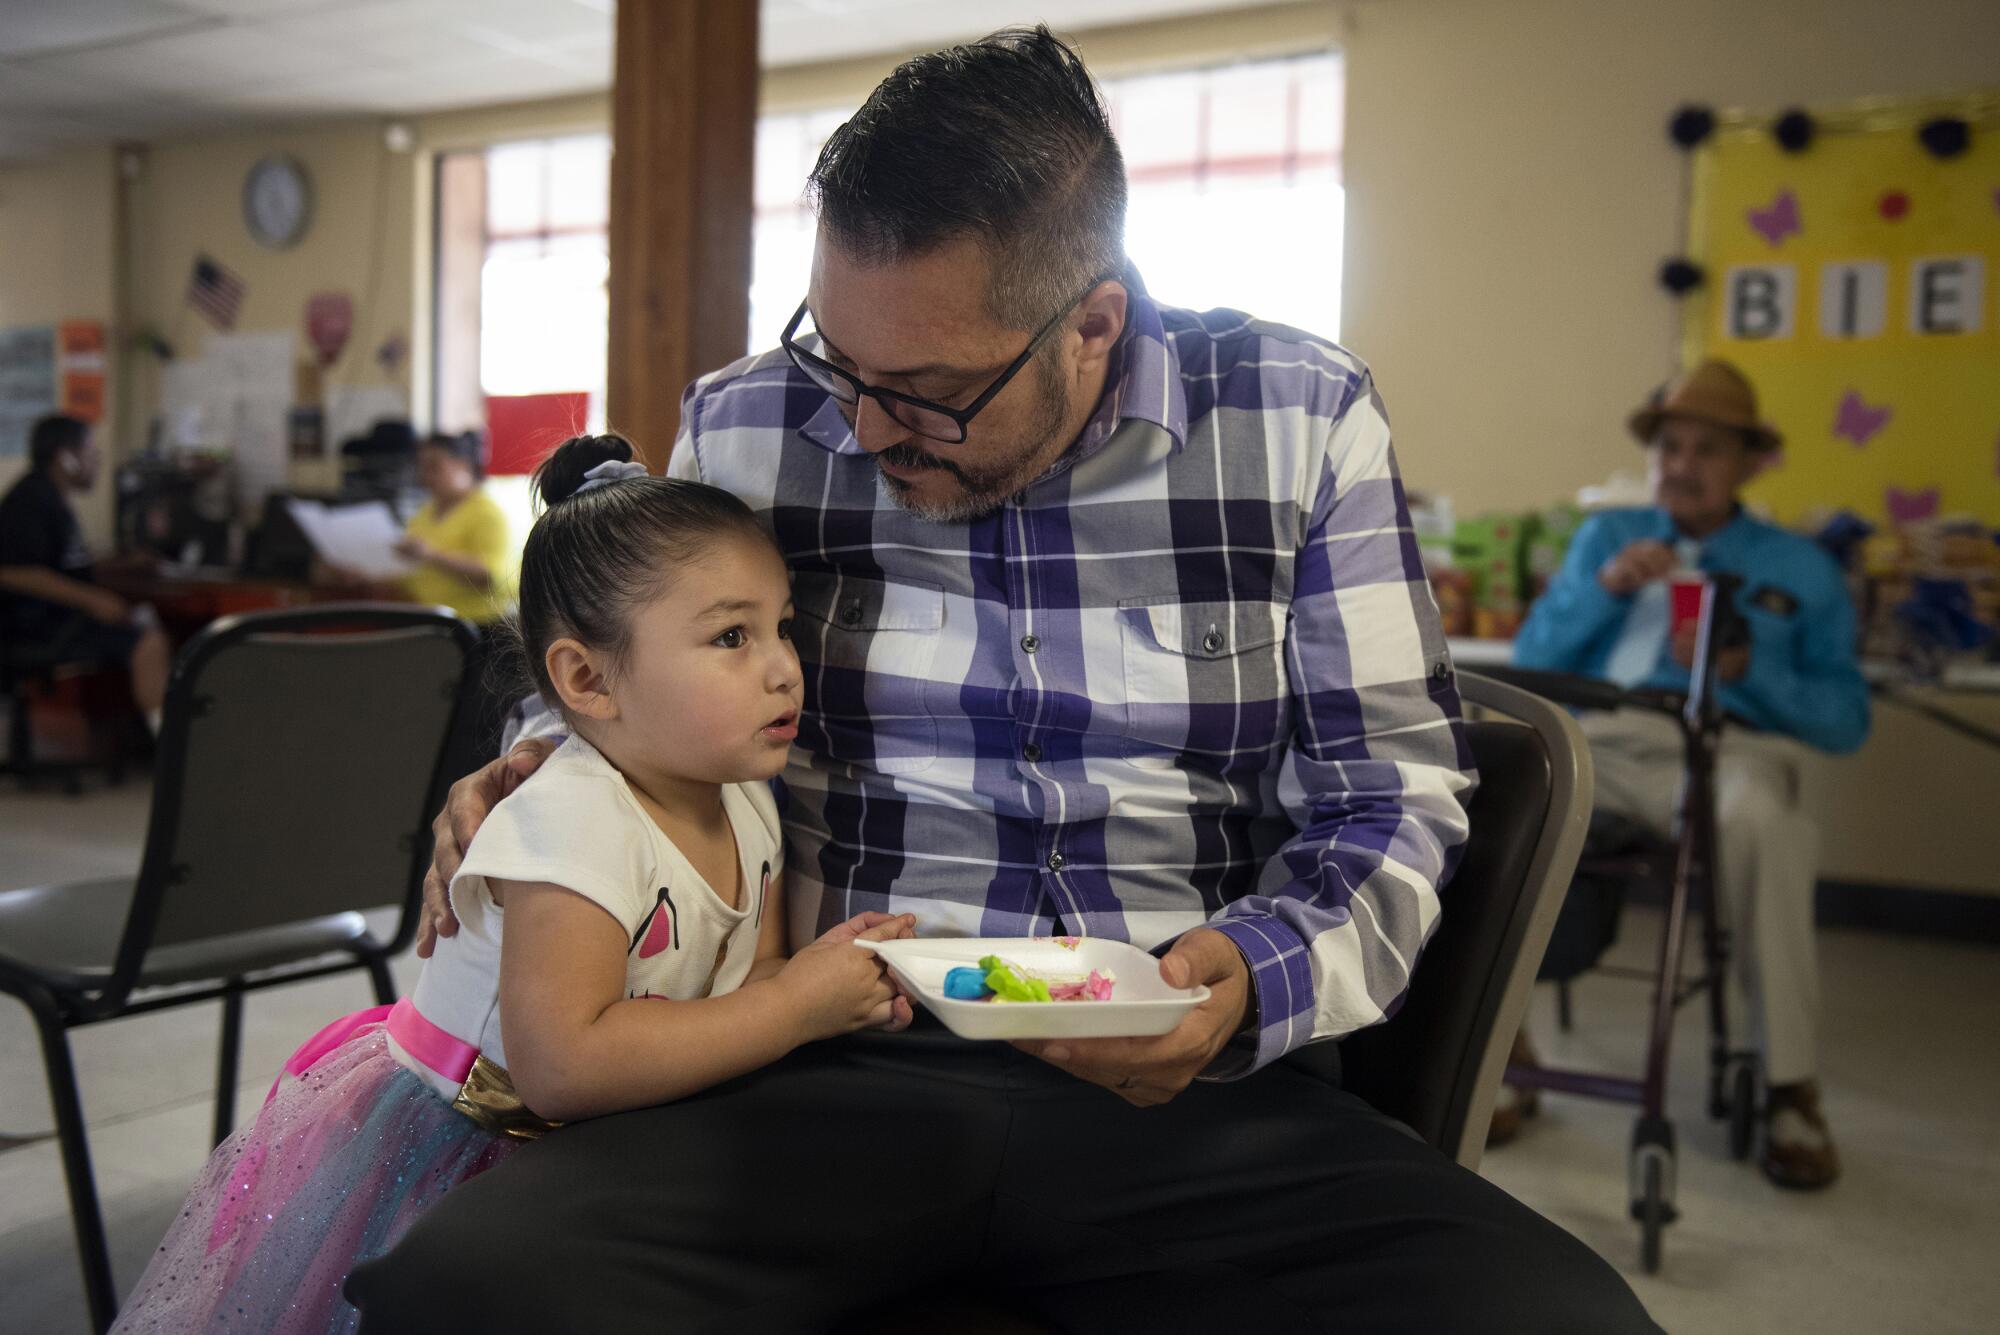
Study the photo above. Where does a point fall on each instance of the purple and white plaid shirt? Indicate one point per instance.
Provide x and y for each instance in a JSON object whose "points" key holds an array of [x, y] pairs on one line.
{"points": [[1193, 675]]}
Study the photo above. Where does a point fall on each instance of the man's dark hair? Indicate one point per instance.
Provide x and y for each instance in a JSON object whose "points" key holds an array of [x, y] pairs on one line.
{"points": [[1004, 141], [52, 435]]}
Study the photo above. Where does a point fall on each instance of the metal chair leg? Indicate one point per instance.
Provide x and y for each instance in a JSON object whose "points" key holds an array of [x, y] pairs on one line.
{"points": [[385, 986], [227, 1059], [93, 1252]]}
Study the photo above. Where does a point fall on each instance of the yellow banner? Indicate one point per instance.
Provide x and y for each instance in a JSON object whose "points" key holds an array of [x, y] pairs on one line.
{"points": [[1858, 285]]}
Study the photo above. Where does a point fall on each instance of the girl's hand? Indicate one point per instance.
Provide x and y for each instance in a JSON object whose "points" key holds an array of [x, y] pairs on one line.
{"points": [[866, 924], [902, 1012], [837, 988]]}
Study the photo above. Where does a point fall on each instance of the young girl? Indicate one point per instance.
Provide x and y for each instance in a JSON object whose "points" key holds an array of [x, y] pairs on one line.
{"points": [[636, 874]]}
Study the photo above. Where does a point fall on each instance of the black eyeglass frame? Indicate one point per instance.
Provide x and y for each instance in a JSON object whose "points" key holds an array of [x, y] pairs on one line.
{"points": [[962, 417]]}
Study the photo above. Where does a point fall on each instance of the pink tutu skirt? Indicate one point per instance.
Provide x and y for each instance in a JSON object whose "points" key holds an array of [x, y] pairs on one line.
{"points": [[335, 1168]]}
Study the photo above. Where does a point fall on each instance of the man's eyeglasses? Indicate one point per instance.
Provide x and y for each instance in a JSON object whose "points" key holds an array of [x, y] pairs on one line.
{"points": [[934, 421]]}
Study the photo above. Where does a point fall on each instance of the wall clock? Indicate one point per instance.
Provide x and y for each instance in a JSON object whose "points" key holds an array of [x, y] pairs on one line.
{"points": [[277, 201]]}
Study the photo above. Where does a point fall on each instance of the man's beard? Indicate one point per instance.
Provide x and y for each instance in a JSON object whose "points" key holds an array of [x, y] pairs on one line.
{"points": [[984, 491]]}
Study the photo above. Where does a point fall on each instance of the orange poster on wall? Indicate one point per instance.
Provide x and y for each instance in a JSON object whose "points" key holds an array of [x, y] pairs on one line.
{"points": [[83, 395], [80, 340], [80, 368]]}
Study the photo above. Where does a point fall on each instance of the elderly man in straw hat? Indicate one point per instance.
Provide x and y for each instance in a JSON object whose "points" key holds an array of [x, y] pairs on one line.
{"points": [[1607, 615]]}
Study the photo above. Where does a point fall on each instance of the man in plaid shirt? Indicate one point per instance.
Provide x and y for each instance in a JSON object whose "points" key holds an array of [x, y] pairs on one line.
{"points": [[1118, 633]]}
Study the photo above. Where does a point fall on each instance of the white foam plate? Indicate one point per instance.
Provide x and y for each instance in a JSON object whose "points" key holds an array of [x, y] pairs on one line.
{"points": [[1141, 1004]]}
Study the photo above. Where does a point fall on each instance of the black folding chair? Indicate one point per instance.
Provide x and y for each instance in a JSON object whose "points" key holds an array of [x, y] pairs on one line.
{"points": [[1436, 1064], [299, 766]]}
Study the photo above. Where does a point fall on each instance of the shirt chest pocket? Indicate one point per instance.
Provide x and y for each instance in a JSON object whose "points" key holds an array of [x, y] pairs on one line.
{"points": [[1205, 680], [867, 648], [1772, 614]]}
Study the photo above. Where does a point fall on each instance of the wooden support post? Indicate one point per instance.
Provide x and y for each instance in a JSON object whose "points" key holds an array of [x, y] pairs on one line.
{"points": [[683, 131]]}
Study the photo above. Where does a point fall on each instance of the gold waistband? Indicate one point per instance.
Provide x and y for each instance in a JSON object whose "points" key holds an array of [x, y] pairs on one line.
{"points": [[488, 1098]]}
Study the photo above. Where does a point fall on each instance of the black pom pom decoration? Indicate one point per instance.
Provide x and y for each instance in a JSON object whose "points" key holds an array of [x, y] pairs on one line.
{"points": [[1945, 137], [1690, 125], [1680, 276], [1794, 130]]}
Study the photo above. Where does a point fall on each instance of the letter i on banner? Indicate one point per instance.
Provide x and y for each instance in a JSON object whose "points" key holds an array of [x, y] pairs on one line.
{"points": [[1854, 299], [1759, 303]]}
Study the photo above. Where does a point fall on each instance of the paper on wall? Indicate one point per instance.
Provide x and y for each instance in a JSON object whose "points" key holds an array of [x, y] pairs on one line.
{"points": [[236, 397], [253, 374], [27, 384]]}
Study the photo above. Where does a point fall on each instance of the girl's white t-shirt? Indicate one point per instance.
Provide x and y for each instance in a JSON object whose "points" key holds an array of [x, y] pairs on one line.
{"points": [[576, 823]]}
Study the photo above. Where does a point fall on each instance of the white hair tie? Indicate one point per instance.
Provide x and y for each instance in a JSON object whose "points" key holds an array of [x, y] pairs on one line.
{"points": [[611, 470]]}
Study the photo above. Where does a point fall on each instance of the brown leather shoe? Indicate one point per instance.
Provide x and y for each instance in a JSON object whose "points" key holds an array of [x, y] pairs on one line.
{"points": [[1514, 1105], [1798, 1148]]}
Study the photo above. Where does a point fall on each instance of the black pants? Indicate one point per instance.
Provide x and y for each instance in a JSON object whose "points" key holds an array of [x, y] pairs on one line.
{"points": [[831, 1186]]}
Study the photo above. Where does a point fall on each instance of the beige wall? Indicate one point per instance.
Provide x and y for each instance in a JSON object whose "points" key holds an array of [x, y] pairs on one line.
{"points": [[371, 229], [57, 258], [187, 201], [1511, 192]]}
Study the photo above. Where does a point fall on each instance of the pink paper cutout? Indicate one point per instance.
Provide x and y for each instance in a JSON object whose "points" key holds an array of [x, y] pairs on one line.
{"points": [[1858, 421], [1778, 219], [1908, 507]]}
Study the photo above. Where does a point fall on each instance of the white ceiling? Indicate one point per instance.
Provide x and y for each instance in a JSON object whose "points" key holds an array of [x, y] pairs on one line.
{"points": [[80, 71]]}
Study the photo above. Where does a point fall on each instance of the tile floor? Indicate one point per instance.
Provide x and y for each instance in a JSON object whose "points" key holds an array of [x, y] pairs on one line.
{"points": [[1905, 1242]]}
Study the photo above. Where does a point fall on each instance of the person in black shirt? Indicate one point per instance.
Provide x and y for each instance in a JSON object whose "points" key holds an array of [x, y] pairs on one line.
{"points": [[51, 610]]}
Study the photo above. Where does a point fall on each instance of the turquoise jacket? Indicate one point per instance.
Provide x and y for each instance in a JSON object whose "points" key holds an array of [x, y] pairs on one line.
{"points": [[1803, 679]]}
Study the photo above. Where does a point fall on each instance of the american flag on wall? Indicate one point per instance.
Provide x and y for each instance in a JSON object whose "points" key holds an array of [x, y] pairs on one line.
{"points": [[215, 292]]}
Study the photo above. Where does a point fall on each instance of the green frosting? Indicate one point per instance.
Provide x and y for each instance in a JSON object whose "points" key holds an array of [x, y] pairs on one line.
{"points": [[1008, 985]]}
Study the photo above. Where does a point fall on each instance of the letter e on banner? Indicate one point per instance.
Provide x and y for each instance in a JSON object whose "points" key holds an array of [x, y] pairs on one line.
{"points": [[1759, 301], [1853, 299], [1947, 294]]}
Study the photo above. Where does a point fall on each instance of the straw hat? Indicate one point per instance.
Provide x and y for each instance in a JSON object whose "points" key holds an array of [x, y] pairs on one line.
{"points": [[1713, 392]]}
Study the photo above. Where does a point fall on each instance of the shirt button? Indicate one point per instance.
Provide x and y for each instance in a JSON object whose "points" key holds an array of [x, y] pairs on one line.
{"points": [[1057, 862], [1030, 643], [851, 614], [1031, 753], [1212, 642]]}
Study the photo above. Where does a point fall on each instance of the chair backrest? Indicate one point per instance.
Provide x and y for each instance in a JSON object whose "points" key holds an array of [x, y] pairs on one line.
{"points": [[297, 772], [1436, 1064]]}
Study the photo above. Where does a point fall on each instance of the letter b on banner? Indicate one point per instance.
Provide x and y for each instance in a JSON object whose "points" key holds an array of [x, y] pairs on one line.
{"points": [[1758, 302]]}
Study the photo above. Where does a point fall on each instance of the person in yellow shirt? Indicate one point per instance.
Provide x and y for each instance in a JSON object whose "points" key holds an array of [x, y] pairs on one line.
{"points": [[460, 541]]}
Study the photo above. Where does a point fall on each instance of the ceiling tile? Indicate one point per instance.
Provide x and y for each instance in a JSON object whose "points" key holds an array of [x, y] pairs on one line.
{"points": [[26, 88], [173, 64], [33, 26], [193, 63], [256, 9]]}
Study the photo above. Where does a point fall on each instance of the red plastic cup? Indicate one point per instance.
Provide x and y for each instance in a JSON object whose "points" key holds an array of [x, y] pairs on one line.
{"points": [[1687, 598]]}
